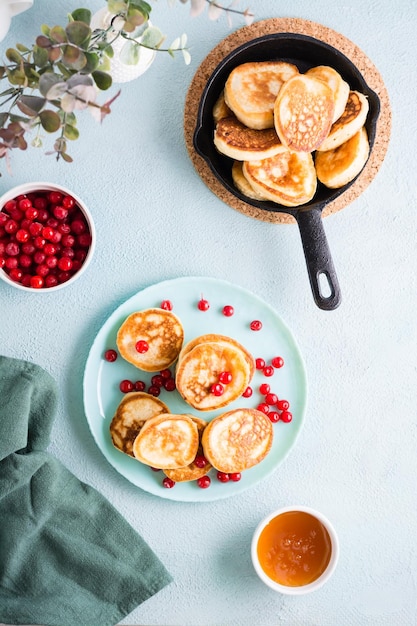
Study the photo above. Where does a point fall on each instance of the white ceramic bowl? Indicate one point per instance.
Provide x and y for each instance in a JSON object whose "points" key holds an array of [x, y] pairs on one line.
{"points": [[42, 186], [315, 584]]}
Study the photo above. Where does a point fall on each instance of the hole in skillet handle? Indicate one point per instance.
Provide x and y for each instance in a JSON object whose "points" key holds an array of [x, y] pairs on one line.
{"points": [[305, 52]]}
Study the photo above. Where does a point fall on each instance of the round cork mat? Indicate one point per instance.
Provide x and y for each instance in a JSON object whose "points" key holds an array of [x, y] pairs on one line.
{"points": [[312, 29]]}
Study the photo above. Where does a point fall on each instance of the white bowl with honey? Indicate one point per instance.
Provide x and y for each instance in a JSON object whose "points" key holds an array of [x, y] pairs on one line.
{"points": [[295, 550]]}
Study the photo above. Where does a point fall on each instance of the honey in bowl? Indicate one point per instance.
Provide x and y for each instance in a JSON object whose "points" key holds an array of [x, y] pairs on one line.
{"points": [[294, 548]]}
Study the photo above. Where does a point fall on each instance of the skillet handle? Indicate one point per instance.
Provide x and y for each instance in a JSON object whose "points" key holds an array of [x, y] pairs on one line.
{"points": [[321, 271]]}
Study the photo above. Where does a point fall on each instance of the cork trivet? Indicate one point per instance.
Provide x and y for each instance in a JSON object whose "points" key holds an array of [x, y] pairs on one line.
{"points": [[312, 29]]}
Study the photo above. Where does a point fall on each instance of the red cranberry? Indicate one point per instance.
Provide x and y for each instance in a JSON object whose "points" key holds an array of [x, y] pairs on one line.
{"points": [[36, 282], [141, 346], [225, 378], [248, 392], [223, 477], [268, 370], [204, 482], [264, 389], [271, 398], [235, 476], [157, 380], [256, 325], [228, 310], [166, 305], [286, 417], [16, 274], [200, 461], [154, 390], [126, 386], [170, 385], [110, 355], [277, 362], [217, 389], [140, 385], [274, 416], [203, 305], [283, 405], [168, 483], [263, 407]]}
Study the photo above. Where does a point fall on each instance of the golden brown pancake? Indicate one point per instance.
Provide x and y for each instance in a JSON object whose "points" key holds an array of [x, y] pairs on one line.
{"points": [[287, 178], [350, 122], [131, 414], [199, 369], [335, 168], [167, 441], [237, 141], [220, 109], [219, 339], [251, 89], [237, 440], [303, 113], [162, 332], [191, 472], [336, 83], [242, 184]]}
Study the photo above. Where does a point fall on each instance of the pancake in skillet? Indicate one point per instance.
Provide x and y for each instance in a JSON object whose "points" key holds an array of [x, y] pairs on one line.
{"points": [[237, 440], [220, 109], [242, 184], [199, 369], [336, 83], [287, 178], [303, 113], [162, 333], [237, 141], [251, 89], [131, 414], [191, 471], [167, 441], [350, 122], [335, 168]]}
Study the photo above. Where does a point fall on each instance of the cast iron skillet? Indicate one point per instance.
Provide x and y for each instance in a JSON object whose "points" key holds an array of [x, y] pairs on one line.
{"points": [[305, 52]]}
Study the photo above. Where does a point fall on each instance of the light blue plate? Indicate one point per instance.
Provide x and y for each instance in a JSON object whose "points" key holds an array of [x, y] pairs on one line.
{"points": [[101, 379]]}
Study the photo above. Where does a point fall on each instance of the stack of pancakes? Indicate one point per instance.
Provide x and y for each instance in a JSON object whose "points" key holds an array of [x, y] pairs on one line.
{"points": [[143, 426], [285, 130]]}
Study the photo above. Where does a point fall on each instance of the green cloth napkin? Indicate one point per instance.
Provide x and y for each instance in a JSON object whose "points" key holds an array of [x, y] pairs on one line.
{"points": [[67, 557]]}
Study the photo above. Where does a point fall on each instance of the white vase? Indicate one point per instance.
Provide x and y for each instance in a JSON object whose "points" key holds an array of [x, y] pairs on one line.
{"points": [[121, 72]]}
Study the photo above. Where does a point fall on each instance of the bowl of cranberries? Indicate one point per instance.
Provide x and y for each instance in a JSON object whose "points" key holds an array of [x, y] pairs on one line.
{"points": [[47, 237]]}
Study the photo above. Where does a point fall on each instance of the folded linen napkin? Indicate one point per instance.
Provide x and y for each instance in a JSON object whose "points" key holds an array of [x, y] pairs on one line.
{"points": [[67, 557]]}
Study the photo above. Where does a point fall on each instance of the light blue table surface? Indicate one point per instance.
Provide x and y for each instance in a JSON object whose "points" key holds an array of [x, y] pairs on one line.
{"points": [[356, 457]]}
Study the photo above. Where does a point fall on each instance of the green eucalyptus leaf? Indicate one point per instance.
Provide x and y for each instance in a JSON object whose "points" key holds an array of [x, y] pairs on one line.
{"points": [[129, 53], [40, 56], [66, 157], [78, 33], [66, 73], [82, 15], [70, 119], [117, 6], [92, 64], [22, 48], [70, 132], [109, 51], [3, 118], [136, 17], [47, 81], [143, 7], [50, 121], [152, 37], [74, 58], [58, 34], [45, 30], [102, 80], [17, 77], [105, 65], [2, 71], [14, 56], [31, 105]]}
